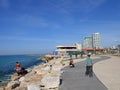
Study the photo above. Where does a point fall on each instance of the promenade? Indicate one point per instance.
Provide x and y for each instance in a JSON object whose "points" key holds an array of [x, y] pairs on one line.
{"points": [[108, 72], [43, 77], [104, 78]]}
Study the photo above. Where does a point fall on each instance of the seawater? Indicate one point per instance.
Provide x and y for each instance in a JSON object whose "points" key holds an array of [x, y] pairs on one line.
{"points": [[8, 62]]}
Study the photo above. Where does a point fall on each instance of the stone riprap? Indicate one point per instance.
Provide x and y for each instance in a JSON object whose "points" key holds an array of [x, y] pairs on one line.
{"points": [[45, 77]]}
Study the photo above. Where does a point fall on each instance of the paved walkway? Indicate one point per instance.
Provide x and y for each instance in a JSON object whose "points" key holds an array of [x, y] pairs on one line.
{"points": [[75, 79], [108, 72]]}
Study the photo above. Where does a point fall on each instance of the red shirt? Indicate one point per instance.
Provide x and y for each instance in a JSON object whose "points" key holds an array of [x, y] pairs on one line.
{"points": [[18, 65]]}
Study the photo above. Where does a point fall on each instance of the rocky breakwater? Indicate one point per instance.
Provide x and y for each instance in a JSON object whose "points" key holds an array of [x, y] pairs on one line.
{"points": [[42, 77]]}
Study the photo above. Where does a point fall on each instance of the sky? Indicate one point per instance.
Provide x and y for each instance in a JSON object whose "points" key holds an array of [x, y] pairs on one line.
{"points": [[38, 26]]}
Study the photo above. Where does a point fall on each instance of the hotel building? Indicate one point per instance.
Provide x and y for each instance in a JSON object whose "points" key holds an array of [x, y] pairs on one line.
{"points": [[92, 44], [87, 43], [96, 40]]}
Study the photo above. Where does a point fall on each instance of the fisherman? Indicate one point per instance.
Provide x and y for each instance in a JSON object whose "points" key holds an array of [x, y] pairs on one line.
{"points": [[18, 68]]}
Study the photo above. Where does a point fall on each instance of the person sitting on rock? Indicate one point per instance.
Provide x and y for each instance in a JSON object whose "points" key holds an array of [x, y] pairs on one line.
{"points": [[18, 67]]}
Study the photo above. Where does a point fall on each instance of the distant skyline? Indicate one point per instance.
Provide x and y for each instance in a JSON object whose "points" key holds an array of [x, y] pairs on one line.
{"points": [[37, 26]]}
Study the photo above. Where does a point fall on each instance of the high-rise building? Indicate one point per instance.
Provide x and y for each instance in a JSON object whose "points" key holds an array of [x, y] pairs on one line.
{"points": [[92, 42], [87, 42], [96, 40]]}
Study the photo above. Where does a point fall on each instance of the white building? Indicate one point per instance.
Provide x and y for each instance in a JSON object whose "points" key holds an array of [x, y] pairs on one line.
{"points": [[87, 42], [96, 39], [92, 42], [65, 49]]}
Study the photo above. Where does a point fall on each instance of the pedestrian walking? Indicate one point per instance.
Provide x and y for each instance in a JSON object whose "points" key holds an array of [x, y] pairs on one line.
{"points": [[89, 65]]}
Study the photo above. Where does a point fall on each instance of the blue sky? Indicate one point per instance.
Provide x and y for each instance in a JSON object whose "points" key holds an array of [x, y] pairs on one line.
{"points": [[37, 26]]}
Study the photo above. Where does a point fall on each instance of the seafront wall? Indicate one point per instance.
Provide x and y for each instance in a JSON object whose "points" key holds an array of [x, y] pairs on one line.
{"points": [[44, 76]]}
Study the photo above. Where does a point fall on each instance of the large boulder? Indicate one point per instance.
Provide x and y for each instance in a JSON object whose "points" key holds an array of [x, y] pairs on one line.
{"points": [[47, 68], [56, 68], [22, 79], [36, 79], [12, 85], [15, 77], [33, 87], [50, 82]]}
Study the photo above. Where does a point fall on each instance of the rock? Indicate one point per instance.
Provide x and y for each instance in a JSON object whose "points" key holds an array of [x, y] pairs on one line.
{"points": [[20, 88], [41, 72], [47, 68], [12, 85], [15, 77], [33, 78], [42, 77], [22, 79], [56, 68], [50, 82], [23, 84], [30, 74], [36, 79], [33, 87], [2, 89], [29, 70]]}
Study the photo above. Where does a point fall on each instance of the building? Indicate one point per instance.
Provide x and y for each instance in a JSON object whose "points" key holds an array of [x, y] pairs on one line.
{"points": [[87, 42], [66, 49], [96, 40], [92, 44], [78, 46]]}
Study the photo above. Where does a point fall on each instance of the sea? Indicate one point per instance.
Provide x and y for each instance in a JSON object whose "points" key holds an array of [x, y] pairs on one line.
{"points": [[8, 62]]}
